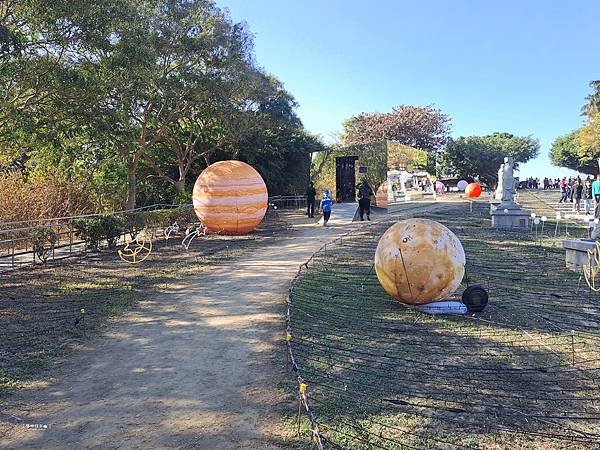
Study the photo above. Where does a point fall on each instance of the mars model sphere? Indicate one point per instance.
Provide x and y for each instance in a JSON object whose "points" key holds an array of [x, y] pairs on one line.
{"points": [[419, 261], [230, 197], [473, 190], [382, 195]]}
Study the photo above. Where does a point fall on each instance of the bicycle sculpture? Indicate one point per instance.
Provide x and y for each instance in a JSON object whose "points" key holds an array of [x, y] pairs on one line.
{"points": [[592, 267], [194, 230], [138, 249]]}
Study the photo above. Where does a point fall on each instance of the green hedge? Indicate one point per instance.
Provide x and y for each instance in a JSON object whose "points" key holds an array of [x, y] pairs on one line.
{"points": [[109, 227], [94, 230]]}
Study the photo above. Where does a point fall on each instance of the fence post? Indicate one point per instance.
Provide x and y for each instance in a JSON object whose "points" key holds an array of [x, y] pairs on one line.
{"points": [[13, 254]]}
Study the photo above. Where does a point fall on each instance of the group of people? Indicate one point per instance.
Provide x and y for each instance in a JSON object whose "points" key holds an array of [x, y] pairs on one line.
{"points": [[364, 194], [545, 184], [575, 190]]}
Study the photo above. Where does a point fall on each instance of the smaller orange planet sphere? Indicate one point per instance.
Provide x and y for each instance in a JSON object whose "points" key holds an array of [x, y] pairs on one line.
{"points": [[230, 197], [473, 190], [419, 261], [382, 195]]}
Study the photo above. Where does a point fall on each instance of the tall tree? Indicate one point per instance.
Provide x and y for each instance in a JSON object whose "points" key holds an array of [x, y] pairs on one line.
{"points": [[565, 152], [592, 104], [425, 128], [133, 87], [589, 136], [481, 156], [580, 149], [282, 154]]}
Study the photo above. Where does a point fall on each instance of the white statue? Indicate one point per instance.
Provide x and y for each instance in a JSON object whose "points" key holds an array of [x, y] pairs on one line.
{"points": [[508, 181], [499, 189]]}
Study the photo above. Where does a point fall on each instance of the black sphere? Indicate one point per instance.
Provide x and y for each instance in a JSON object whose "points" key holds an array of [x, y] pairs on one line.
{"points": [[475, 298]]}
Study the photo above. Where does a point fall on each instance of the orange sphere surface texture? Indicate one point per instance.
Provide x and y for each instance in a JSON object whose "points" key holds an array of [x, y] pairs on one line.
{"points": [[419, 261], [382, 195], [230, 197], [473, 190]]}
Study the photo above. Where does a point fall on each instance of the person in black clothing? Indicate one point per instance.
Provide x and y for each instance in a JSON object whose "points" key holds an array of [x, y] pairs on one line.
{"points": [[577, 194], [587, 195], [311, 194], [364, 199]]}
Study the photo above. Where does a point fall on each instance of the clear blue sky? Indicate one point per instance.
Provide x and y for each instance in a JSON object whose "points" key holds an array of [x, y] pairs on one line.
{"points": [[492, 65]]}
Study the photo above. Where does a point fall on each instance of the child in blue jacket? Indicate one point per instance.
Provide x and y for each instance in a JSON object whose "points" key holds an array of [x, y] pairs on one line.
{"points": [[326, 203]]}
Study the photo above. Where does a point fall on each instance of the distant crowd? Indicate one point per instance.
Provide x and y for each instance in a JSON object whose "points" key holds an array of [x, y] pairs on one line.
{"points": [[580, 192], [552, 183]]}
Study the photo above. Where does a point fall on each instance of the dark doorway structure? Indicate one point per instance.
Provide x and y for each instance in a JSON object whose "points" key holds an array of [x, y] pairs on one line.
{"points": [[345, 179]]}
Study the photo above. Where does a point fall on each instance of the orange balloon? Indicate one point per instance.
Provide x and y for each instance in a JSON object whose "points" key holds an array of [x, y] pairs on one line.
{"points": [[473, 190], [382, 195], [230, 197]]}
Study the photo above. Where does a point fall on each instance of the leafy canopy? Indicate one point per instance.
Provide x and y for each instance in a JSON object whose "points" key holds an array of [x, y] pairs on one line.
{"points": [[421, 127], [580, 149], [139, 94], [481, 156]]}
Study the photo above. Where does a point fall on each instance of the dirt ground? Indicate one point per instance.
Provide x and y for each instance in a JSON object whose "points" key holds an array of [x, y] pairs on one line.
{"points": [[199, 366]]}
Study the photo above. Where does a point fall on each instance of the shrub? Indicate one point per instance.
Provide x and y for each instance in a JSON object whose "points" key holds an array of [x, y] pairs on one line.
{"points": [[182, 216], [94, 230], [89, 230], [43, 241], [134, 222], [112, 228], [164, 217]]}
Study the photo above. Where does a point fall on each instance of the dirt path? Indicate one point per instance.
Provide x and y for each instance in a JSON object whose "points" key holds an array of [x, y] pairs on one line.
{"points": [[198, 368]]}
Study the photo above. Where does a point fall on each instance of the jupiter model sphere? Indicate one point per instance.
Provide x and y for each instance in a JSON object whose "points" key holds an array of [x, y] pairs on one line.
{"points": [[230, 197]]}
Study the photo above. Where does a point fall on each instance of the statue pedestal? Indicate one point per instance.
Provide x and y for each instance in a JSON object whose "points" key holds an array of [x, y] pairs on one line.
{"points": [[510, 217], [576, 253], [494, 204]]}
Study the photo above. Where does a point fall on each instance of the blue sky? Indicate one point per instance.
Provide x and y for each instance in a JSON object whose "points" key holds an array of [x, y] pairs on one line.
{"points": [[516, 66]]}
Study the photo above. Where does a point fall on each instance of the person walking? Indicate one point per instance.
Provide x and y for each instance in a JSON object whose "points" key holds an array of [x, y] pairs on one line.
{"points": [[364, 199], [587, 196], [325, 205], [570, 190], [563, 190], [596, 194], [577, 195], [311, 194]]}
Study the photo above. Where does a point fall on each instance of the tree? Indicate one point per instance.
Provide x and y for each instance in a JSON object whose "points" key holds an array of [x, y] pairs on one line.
{"points": [[283, 157], [592, 104], [481, 156], [580, 149], [564, 152], [589, 137], [407, 157], [122, 93], [424, 128]]}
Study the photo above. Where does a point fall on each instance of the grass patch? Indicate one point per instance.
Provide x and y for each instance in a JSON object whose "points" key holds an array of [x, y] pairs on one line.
{"points": [[382, 375]]}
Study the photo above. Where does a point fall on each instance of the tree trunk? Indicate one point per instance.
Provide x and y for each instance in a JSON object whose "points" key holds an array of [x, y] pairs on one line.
{"points": [[180, 183], [131, 184], [180, 186]]}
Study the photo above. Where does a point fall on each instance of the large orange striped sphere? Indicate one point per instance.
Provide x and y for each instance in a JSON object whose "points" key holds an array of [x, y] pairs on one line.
{"points": [[230, 197], [419, 261], [382, 195]]}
